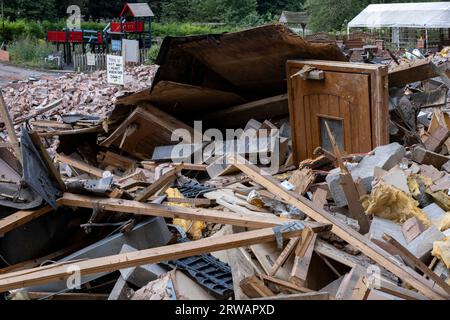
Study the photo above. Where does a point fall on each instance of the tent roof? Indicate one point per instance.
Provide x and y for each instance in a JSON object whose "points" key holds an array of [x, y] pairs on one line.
{"points": [[138, 10], [404, 15]]}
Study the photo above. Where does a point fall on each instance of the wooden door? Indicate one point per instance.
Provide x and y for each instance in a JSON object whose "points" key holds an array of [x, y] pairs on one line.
{"points": [[342, 99]]}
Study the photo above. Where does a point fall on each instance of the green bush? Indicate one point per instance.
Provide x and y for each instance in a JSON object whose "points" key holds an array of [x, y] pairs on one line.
{"points": [[14, 30], [153, 53], [31, 52], [183, 29]]}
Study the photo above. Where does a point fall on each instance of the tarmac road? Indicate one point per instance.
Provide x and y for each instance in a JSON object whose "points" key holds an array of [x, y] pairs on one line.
{"points": [[10, 73]]}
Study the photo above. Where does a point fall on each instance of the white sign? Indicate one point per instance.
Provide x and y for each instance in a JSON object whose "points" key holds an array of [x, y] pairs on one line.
{"points": [[130, 50], [115, 69], [90, 59]]}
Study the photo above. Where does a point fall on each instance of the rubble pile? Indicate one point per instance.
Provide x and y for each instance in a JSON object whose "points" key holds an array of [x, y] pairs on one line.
{"points": [[335, 183], [85, 93]]}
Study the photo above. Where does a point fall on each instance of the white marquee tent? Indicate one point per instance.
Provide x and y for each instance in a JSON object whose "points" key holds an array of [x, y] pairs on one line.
{"points": [[397, 16], [425, 15]]}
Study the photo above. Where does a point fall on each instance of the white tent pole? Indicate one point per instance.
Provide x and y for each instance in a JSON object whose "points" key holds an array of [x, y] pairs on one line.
{"points": [[426, 38]]}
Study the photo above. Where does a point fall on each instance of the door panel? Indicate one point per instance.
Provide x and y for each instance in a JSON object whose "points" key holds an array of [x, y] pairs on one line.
{"points": [[340, 96]]}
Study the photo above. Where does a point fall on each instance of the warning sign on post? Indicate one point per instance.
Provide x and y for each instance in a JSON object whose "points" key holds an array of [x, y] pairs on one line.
{"points": [[90, 59], [115, 69]]}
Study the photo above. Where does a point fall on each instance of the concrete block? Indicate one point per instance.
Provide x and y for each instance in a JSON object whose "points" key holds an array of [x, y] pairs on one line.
{"points": [[381, 226], [422, 245], [384, 157], [434, 212]]}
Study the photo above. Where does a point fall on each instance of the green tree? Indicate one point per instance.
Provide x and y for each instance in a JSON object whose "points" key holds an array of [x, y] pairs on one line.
{"points": [[29, 9], [276, 7], [177, 10]]}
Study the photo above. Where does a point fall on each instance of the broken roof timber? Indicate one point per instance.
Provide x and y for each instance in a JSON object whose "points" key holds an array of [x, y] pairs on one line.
{"points": [[255, 220], [419, 70], [57, 272]]}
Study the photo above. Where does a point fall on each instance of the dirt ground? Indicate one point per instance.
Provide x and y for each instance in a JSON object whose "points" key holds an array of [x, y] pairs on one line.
{"points": [[10, 73]]}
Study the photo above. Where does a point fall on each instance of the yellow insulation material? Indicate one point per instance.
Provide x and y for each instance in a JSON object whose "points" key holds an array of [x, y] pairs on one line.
{"points": [[441, 250], [390, 203], [193, 228]]}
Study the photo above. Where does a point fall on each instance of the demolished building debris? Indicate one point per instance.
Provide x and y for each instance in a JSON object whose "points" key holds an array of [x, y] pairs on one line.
{"points": [[333, 183]]}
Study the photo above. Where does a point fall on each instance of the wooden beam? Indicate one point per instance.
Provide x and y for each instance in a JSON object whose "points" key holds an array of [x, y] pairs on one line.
{"points": [[67, 296], [6, 117], [41, 111], [303, 256], [348, 185], [339, 228], [284, 255], [113, 263], [405, 253], [48, 162], [261, 109], [20, 218], [152, 209], [165, 179], [284, 284], [93, 129], [418, 70], [79, 165], [299, 296], [253, 287]]}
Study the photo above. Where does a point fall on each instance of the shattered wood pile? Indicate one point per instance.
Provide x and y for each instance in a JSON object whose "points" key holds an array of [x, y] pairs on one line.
{"points": [[309, 200]]}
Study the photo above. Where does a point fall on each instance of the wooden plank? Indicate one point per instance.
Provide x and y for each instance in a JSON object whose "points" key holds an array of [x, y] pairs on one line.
{"points": [[50, 124], [315, 296], [254, 287], [284, 284], [48, 162], [39, 112], [6, 117], [67, 296], [303, 256], [151, 209], [94, 129], [47, 274], [353, 286], [290, 247], [404, 252], [352, 195], [79, 165], [197, 202], [164, 180], [239, 115], [350, 190], [20, 218], [418, 70], [340, 229]]}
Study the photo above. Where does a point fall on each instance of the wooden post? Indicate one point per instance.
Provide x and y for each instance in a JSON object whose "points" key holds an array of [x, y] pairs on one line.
{"points": [[4, 114]]}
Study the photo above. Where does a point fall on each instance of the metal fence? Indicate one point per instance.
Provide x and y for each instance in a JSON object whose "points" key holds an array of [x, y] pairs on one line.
{"points": [[80, 60]]}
